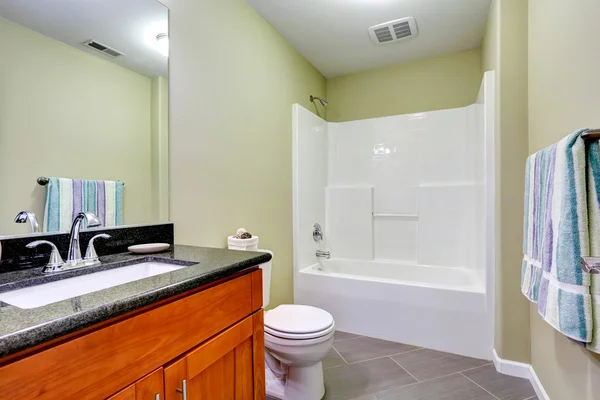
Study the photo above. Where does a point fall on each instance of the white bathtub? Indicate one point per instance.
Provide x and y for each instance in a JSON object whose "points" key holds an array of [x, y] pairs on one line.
{"points": [[434, 307]]}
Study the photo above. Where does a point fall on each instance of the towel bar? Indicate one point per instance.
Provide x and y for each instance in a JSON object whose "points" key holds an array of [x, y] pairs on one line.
{"points": [[590, 264], [43, 181], [591, 134]]}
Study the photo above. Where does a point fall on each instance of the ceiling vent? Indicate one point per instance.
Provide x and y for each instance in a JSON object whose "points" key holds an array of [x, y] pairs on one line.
{"points": [[102, 48], [394, 31]]}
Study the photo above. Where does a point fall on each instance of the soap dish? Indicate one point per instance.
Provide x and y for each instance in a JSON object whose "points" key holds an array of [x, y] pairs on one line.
{"points": [[148, 248]]}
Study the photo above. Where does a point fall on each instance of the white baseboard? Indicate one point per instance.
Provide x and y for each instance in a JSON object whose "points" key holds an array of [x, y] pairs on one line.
{"points": [[520, 370], [537, 385], [512, 368]]}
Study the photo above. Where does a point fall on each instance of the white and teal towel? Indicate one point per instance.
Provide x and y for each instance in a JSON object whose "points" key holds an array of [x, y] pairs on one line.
{"points": [[65, 198], [561, 224]]}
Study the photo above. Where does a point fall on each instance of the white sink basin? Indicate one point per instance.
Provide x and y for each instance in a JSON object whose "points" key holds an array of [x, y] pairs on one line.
{"points": [[47, 293]]}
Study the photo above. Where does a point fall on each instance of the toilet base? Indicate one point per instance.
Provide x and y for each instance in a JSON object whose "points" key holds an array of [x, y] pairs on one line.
{"points": [[275, 386], [301, 383]]}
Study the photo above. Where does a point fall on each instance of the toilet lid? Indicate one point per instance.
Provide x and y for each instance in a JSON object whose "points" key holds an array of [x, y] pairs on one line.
{"points": [[294, 319]]}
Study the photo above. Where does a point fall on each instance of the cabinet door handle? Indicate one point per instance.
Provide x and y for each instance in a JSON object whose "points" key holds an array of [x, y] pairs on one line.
{"points": [[184, 390], [157, 397]]}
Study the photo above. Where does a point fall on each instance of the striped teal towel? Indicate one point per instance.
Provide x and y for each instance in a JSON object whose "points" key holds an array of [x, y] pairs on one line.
{"points": [[594, 229], [65, 198], [558, 227]]}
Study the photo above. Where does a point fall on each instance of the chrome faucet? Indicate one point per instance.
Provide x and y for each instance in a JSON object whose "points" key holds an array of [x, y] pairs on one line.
{"points": [[25, 216], [323, 254], [74, 254], [74, 260]]}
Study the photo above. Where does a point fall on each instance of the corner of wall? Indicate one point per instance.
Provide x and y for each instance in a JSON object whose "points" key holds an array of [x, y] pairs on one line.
{"points": [[506, 53], [489, 45]]}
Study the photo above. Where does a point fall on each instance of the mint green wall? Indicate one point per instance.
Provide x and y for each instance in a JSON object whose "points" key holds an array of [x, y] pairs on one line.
{"points": [[437, 83], [233, 80]]}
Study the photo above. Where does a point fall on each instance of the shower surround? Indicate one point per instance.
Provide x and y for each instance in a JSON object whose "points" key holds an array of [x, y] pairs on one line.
{"points": [[406, 203]]}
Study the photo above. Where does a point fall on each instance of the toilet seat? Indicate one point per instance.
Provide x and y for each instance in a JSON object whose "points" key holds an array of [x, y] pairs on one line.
{"points": [[272, 339], [298, 322], [302, 336]]}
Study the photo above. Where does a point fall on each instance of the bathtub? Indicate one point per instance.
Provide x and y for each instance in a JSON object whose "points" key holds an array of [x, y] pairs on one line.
{"points": [[433, 307]]}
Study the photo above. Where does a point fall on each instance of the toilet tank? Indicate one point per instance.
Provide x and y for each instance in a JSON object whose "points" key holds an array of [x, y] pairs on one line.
{"points": [[266, 275]]}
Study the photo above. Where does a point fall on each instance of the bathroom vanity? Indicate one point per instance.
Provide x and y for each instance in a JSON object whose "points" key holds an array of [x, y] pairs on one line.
{"points": [[193, 333]]}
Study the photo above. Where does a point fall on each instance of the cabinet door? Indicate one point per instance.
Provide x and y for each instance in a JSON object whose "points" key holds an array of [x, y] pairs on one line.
{"points": [[176, 380], [151, 387], [126, 394], [230, 366]]}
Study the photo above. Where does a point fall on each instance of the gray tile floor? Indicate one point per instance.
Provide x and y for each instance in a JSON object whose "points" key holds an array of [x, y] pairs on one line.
{"points": [[363, 368]]}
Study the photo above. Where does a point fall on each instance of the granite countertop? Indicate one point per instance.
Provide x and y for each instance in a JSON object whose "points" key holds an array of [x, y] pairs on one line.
{"points": [[23, 328]]}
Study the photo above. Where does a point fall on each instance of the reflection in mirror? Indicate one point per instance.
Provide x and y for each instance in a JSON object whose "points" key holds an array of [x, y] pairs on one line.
{"points": [[84, 112]]}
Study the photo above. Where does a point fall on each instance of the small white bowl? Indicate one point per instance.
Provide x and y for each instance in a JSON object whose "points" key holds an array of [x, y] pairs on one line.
{"points": [[148, 248]]}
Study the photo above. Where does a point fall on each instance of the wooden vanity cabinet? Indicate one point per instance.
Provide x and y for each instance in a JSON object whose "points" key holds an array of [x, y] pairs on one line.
{"points": [[211, 337]]}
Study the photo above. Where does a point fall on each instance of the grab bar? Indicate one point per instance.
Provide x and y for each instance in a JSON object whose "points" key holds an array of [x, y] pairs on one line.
{"points": [[407, 217]]}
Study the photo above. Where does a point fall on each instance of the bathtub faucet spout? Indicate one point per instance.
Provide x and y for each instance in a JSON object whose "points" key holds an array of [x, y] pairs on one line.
{"points": [[323, 254]]}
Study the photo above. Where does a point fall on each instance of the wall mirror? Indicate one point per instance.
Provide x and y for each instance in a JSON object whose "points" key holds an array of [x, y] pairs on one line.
{"points": [[83, 113]]}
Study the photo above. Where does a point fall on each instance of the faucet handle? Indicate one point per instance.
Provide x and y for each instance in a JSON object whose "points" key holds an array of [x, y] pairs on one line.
{"points": [[25, 216], [55, 263], [317, 233], [90, 253]]}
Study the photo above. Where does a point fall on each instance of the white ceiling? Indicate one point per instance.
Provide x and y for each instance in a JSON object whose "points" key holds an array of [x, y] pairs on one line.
{"points": [[129, 26], [332, 34]]}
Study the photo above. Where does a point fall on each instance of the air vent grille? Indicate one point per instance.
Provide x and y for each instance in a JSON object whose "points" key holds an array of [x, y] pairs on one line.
{"points": [[102, 48], [384, 34], [394, 30], [402, 30]]}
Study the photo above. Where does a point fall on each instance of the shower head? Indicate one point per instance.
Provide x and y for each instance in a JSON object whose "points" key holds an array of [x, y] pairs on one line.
{"points": [[324, 102]]}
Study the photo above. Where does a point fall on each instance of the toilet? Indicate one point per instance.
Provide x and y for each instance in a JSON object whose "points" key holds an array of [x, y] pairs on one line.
{"points": [[297, 339]]}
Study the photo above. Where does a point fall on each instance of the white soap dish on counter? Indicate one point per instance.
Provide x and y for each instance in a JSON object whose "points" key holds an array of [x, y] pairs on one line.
{"points": [[149, 248]]}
